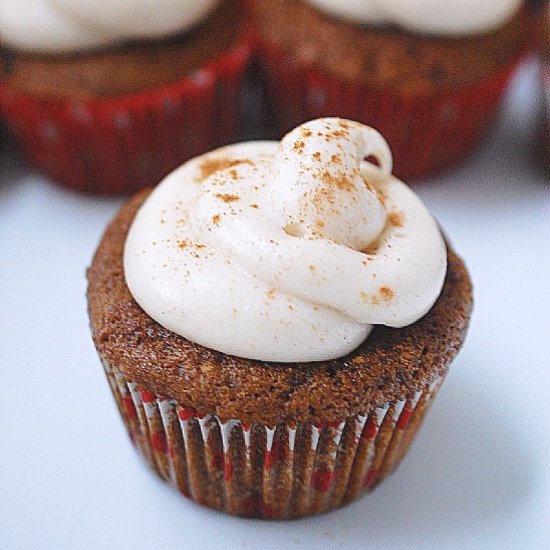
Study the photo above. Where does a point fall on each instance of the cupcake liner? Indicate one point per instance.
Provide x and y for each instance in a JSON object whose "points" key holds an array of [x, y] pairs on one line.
{"points": [[278, 472], [426, 132], [118, 145]]}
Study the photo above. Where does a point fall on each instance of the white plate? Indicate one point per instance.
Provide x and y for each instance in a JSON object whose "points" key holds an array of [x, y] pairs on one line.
{"points": [[477, 476]]}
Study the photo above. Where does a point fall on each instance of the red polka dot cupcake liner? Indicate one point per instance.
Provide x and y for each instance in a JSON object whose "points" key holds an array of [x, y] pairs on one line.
{"points": [[119, 145], [274, 472], [426, 132]]}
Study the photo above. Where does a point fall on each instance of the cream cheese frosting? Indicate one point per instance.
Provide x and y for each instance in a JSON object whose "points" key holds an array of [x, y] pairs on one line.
{"points": [[287, 251], [59, 26], [440, 17]]}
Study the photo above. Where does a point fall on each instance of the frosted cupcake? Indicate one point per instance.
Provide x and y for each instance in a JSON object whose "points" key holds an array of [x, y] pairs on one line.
{"points": [[275, 320], [429, 74], [109, 97]]}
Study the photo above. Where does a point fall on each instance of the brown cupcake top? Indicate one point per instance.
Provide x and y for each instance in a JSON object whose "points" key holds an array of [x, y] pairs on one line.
{"points": [[390, 364], [127, 69], [385, 57]]}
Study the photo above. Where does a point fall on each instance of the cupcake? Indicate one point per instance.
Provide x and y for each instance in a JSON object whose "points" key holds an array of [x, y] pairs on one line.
{"points": [[107, 98], [429, 75], [275, 320], [545, 80]]}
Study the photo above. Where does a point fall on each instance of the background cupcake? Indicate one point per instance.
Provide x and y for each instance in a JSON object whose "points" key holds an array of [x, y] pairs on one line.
{"points": [[261, 388], [544, 50], [428, 75], [107, 99]]}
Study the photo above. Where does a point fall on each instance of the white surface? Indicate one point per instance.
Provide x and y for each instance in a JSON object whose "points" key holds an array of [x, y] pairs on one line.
{"points": [[477, 476]]}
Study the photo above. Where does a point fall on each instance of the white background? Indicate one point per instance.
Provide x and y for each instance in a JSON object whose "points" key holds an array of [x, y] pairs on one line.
{"points": [[478, 475]]}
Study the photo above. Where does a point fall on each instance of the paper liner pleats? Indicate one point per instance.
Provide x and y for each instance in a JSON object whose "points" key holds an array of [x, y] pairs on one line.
{"points": [[427, 132], [284, 471], [119, 145]]}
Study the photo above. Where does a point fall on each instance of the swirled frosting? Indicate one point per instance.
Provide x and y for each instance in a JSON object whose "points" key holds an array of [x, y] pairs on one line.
{"points": [[73, 25], [286, 251], [443, 17]]}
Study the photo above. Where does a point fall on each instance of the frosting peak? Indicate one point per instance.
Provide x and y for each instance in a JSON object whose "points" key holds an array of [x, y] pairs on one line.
{"points": [[286, 252], [321, 185], [72, 25], [444, 17]]}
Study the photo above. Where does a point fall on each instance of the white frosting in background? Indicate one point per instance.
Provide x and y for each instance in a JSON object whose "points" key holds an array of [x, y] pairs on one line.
{"points": [[443, 17], [72, 25], [288, 252]]}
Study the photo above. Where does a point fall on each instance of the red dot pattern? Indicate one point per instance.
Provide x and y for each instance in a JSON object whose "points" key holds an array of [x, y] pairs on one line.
{"points": [[147, 396], [129, 406], [185, 413], [370, 430], [404, 418], [218, 461], [278, 453], [321, 480], [370, 478], [228, 470], [159, 443]]}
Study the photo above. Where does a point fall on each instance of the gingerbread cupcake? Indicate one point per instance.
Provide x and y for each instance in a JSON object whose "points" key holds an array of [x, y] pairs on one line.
{"points": [[275, 320], [429, 75], [108, 98]]}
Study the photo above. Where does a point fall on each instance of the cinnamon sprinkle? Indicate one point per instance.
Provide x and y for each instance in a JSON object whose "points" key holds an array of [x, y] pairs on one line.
{"points": [[396, 219], [211, 165], [387, 293], [227, 197], [299, 146]]}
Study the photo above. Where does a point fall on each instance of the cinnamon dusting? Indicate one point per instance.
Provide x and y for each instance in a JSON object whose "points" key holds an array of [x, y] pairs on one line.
{"points": [[227, 197], [340, 181], [299, 146], [387, 293], [396, 219], [211, 165]]}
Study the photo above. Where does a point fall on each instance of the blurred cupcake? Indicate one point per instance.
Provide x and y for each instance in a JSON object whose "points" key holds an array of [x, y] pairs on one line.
{"points": [[276, 319], [429, 75], [538, 32], [109, 98], [545, 79], [537, 6]]}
